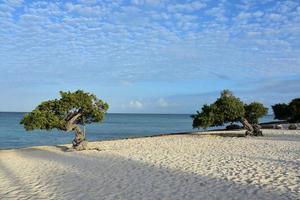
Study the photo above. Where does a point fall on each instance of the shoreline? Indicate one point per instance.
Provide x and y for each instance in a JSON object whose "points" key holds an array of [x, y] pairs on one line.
{"points": [[213, 132], [116, 139], [204, 132]]}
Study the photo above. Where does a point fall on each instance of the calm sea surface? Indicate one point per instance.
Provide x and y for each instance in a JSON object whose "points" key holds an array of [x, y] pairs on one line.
{"points": [[12, 134]]}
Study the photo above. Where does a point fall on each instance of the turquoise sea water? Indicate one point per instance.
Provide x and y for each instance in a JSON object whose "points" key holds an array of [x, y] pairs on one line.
{"points": [[12, 134]]}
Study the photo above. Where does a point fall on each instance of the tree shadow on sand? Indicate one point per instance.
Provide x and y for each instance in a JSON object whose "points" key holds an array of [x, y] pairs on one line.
{"points": [[100, 175], [63, 148], [14, 186]]}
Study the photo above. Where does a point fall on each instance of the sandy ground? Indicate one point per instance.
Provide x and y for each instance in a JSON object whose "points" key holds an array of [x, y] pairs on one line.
{"points": [[166, 167]]}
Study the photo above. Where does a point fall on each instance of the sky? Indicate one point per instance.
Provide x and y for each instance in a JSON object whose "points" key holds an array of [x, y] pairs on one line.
{"points": [[149, 56]]}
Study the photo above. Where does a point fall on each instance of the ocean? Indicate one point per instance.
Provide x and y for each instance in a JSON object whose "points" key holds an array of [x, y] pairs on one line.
{"points": [[115, 126]]}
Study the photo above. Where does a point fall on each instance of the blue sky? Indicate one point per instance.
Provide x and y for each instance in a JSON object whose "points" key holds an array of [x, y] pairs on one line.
{"points": [[157, 56]]}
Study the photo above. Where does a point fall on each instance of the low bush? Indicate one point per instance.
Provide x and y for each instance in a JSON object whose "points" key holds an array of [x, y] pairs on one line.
{"points": [[292, 126], [278, 126]]}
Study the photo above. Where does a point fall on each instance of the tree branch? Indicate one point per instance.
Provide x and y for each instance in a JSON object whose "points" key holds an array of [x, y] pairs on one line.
{"points": [[70, 122]]}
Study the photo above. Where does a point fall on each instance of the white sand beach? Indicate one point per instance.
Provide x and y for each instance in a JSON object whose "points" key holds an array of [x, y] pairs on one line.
{"points": [[166, 167]]}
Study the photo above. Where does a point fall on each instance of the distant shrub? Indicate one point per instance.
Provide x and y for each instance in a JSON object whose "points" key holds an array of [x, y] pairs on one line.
{"points": [[278, 126], [233, 127], [292, 126]]}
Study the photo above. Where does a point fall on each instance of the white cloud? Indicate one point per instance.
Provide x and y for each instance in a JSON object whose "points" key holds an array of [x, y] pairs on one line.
{"points": [[244, 16], [275, 17], [217, 12], [6, 8], [162, 103], [88, 2], [127, 83], [14, 3], [85, 9], [148, 2], [258, 14], [186, 7], [112, 42], [136, 104]]}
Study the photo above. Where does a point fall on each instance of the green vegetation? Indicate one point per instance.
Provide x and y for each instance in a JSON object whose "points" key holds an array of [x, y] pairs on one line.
{"points": [[254, 111], [281, 111], [292, 127], [229, 109], [66, 114], [290, 112]]}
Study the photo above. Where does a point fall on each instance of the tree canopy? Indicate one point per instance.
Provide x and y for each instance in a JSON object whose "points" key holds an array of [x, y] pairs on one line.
{"points": [[55, 114], [281, 111], [294, 108], [227, 109], [254, 111], [290, 112], [205, 118]]}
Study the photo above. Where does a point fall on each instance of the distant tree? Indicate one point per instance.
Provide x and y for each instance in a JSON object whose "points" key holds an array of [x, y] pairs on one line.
{"points": [[67, 114], [228, 109], [294, 109], [281, 111], [254, 111], [290, 112]]}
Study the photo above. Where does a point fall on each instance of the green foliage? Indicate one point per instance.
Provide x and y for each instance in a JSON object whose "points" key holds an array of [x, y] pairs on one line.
{"points": [[292, 127], [281, 111], [254, 111], [56, 113], [294, 109], [226, 93], [205, 118], [227, 109], [290, 112], [39, 119]]}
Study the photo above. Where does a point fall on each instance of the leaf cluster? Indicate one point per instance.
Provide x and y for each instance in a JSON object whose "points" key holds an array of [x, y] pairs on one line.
{"points": [[254, 111], [56, 113]]}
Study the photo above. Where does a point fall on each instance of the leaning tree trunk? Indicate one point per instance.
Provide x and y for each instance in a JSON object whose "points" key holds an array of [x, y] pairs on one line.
{"points": [[79, 142], [251, 130]]}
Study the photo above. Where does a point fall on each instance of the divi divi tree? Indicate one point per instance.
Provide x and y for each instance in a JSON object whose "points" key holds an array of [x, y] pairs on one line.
{"points": [[67, 114], [228, 109]]}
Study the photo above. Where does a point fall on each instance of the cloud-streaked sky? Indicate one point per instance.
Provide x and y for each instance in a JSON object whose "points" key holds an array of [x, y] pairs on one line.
{"points": [[158, 56]]}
